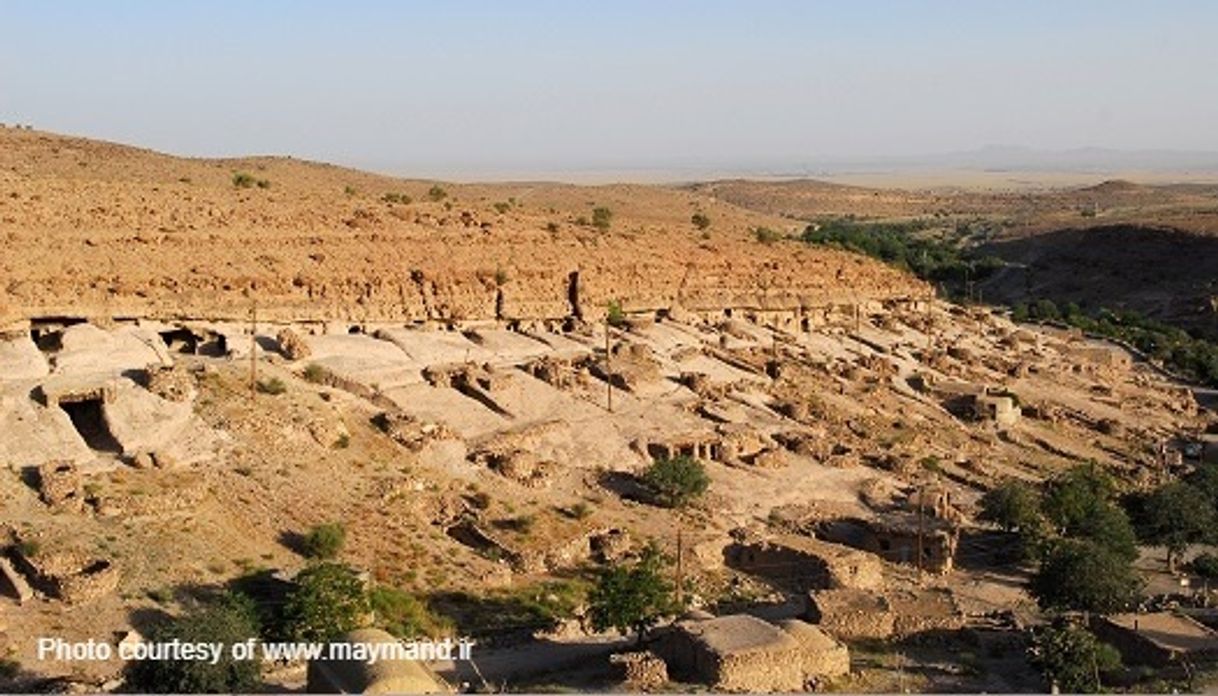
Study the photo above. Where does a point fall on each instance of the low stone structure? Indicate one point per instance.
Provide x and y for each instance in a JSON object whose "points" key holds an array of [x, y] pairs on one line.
{"points": [[171, 383], [1160, 639], [640, 671], [67, 576], [1101, 356], [821, 656], [557, 372], [699, 445], [996, 408], [519, 465], [701, 384], [62, 389], [292, 345], [801, 563], [384, 676], [61, 486], [898, 537], [609, 546], [513, 454], [740, 652], [926, 609], [850, 614], [410, 432]]}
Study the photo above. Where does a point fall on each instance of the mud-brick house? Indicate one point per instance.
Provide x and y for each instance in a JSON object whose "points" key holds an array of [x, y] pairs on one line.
{"points": [[1159, 639], [920, 540]]}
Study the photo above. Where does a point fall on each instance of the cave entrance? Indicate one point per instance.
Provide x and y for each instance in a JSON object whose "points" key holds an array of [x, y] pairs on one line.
{"points": [[181, 341], [90, 422], [47, 332]]}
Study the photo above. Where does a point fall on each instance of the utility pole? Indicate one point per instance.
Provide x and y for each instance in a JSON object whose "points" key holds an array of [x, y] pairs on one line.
{"points": [[680, 568], [921, 516], [929, 324], [253, 350], [608, 368]]}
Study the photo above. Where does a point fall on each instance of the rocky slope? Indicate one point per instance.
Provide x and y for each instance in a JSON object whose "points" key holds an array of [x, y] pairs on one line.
{"points": [[92, 228]]}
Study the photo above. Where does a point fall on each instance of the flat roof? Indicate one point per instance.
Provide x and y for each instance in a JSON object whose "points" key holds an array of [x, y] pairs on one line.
{"points": [[738, 633], [1169, 630]]}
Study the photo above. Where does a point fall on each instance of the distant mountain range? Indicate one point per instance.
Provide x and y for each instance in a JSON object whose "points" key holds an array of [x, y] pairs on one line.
{"points": [[1003, 158]]}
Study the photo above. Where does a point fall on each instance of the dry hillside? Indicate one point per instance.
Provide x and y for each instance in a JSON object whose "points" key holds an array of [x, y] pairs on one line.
{"points": [[98, 228]]}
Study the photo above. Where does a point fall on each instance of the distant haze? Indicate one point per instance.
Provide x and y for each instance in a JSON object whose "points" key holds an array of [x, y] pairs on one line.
{"points": [[674, 89]]}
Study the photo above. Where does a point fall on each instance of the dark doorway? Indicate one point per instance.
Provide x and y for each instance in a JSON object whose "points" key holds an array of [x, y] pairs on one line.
{"points": [[90, 422], [47, 332], [181, 341]]}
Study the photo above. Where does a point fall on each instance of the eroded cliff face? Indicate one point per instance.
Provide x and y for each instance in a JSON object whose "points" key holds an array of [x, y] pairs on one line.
{"points": [[92, 229]]}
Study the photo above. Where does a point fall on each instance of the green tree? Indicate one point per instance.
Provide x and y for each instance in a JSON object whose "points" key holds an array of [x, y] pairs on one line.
{"points": [[325, 541], [405, 615], [1080, 504], [1109, 526], [1079, 575], [602, 218], [328, 600], [230, 620], [676, 481], [1045, 309], [700, 220], [1205, 565], [632, 597], [1074, 494], [1013, 505], [1072, 658], [437, 193], [1205, 479], [1178, 515]]}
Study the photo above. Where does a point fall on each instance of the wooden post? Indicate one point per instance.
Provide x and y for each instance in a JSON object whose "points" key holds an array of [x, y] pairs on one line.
{"points": [[608, 368], [921, 513], [253, 350], [680, 569]]}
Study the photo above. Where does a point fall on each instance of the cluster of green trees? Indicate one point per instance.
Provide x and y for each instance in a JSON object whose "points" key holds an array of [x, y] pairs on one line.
{"points": [[1077, 533], [905, 245], [1196, 358], [1082, 534], [324, 601], [1072, 658], [1179, 514]]}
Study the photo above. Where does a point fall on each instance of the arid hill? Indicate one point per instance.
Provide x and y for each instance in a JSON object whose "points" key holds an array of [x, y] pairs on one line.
{"points": [[93, 228], [807, 199], [1164, 272], [1115, 244]]}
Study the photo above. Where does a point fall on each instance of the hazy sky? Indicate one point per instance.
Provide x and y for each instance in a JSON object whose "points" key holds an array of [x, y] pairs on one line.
{"points": [[443, 86]]}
